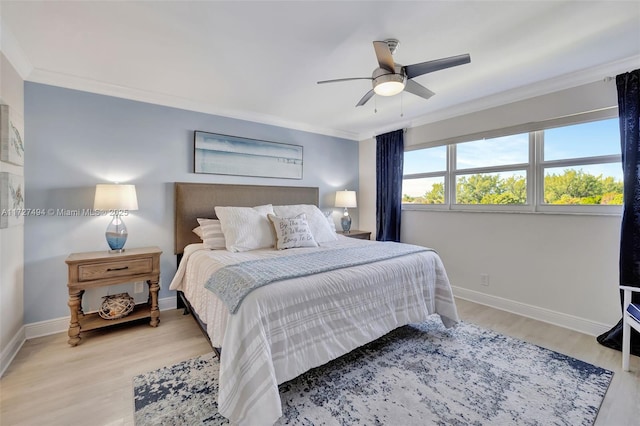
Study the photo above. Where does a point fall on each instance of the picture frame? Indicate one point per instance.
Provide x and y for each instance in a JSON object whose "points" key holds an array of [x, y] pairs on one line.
{"points": [[220, 154], [11, 136], [11, 200]]}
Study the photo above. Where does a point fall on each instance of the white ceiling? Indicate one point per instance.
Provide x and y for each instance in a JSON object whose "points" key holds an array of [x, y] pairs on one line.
{"points": [[261, 60]]}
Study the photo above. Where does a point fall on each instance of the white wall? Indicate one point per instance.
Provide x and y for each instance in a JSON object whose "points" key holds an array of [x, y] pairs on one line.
{"points": [[12, 238], [558, 268]]}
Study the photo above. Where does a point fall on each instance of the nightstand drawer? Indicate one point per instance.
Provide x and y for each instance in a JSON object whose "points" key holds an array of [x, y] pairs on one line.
{"points": [[98, 271]]}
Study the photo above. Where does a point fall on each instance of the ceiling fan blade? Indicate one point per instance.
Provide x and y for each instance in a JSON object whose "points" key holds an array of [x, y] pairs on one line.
{"points": [[436, 65], [385, 59], [366, 98], [344, 79], [418, 89]]}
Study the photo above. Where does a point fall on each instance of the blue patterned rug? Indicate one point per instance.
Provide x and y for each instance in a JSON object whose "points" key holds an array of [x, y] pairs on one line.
{"points": [[421, 374]]}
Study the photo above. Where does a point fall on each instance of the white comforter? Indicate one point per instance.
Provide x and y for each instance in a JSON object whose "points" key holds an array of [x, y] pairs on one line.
{"points": [[288, 327]]}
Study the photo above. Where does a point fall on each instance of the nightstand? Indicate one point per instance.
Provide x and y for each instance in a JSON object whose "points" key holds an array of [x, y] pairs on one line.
{"points": [[102, 268], [354, 233]]}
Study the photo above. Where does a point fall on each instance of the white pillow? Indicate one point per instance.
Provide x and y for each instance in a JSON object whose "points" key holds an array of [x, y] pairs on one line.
{"points": [[318, 223], [246, 228], [211, 234], [329, 215], [197, 231], [292, 232]]}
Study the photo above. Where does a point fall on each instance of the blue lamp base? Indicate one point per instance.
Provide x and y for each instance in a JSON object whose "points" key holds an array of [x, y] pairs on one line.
{"points": [[345, 221], [116, 235]]}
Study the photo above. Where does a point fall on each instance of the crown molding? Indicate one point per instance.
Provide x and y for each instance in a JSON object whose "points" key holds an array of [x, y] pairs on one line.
{"points": [[102, 88], [13, 52]]}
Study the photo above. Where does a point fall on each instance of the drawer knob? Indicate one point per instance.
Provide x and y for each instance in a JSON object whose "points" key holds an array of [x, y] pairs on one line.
{"points": [[117, 269]]}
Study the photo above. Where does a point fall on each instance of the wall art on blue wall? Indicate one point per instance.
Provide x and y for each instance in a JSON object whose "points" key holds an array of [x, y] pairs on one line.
{"points": [[11, 200], [11, 131], [233, 155]]}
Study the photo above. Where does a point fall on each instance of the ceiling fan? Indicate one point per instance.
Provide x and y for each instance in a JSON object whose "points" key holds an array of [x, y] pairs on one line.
{"points": [[391, 78]]}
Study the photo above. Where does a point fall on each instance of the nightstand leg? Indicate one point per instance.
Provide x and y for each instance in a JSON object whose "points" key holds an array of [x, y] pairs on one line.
{"points": [[75, 306], [153, 298]]}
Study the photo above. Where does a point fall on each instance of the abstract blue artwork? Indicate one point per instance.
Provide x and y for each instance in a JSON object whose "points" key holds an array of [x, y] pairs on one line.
{"points": [[232, 155]]}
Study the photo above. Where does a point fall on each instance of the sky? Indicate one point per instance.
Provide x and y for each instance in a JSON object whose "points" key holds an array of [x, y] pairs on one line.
{"points": [[581, 140]]}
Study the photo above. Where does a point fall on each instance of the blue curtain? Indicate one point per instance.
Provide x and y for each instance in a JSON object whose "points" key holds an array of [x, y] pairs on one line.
{"points": [[389, 163], [629, 111]]}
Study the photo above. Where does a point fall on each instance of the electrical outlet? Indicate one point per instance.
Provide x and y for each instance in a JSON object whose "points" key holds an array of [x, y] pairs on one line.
{"points": [[138, 287], [484, 279]]}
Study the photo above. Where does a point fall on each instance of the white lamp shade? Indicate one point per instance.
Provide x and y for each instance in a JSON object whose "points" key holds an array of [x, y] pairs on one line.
{"points": [[115, 197], [346, 199]]}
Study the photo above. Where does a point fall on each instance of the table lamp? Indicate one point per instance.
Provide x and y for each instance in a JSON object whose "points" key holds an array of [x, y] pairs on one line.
{"points": [[346, 199], [116, 199]]}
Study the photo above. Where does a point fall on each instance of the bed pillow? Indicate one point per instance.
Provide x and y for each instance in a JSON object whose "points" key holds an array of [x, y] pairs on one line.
{"points": [[197, 231], [318, 223], [292, 232], [329, 215], [211, 234], [246, 228]]}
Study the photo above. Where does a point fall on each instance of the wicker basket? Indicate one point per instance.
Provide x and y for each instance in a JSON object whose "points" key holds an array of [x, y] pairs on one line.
{"points": [[116, 306]]}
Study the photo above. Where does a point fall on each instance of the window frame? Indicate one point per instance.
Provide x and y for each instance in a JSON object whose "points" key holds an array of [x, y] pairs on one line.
{"points": [[533, 170], [541, 165]]}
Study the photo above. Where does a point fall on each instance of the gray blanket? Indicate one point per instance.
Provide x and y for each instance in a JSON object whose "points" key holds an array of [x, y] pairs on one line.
{"points": [[234, 282]]}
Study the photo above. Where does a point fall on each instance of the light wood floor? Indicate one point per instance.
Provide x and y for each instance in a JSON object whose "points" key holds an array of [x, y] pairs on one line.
{"points": [[50, 383]]}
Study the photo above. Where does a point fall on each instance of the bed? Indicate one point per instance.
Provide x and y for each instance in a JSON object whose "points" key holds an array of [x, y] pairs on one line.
{"points": [[295, 323]]}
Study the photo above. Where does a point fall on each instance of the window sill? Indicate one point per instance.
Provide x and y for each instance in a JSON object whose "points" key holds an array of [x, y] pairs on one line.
{"points": [[614, 211]]}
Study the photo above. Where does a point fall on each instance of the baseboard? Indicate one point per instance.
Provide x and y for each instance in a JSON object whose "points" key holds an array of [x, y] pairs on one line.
{"points": [[9, 353], [59, 325], [560, 319]]}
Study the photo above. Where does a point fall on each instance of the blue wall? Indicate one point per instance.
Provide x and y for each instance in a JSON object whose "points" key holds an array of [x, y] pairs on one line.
{"points": [[75, 140]]}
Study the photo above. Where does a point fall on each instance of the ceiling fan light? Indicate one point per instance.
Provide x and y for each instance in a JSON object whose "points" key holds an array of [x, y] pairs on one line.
{"points": [[389, 84]]}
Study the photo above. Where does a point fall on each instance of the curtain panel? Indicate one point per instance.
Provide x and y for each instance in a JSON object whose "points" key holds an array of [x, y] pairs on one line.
{"points": [[628, 85], [629, 110], [389, 167]]}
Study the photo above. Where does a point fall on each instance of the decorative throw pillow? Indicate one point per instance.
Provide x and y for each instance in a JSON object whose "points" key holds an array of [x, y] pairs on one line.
{"points": [[318, 223], [211, 234], [292, 232], [197, 231], [246, 228]]}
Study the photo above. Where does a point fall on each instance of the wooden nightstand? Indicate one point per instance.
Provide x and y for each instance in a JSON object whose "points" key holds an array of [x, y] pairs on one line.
{"points": [[354, 233], [101, 268]]}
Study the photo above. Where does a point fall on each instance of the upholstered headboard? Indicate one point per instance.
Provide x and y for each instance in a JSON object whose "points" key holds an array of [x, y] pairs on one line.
{"points": [[194, 200]]}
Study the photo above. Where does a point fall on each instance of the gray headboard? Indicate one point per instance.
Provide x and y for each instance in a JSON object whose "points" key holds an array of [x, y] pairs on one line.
{"points": [[194, 200]]}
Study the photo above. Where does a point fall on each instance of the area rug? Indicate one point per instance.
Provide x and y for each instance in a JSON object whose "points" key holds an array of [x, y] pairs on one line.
{"points": [[421, 374]]}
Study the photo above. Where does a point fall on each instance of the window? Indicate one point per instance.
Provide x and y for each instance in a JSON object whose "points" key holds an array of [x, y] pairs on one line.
{"points": [[492, 171], [597, 138], [581, 164], [424, 176], [571, 168]]}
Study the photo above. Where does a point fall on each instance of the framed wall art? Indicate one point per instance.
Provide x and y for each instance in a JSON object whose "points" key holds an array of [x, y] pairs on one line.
{"points": [[11, 200], [232, 155], [11, 140]]}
